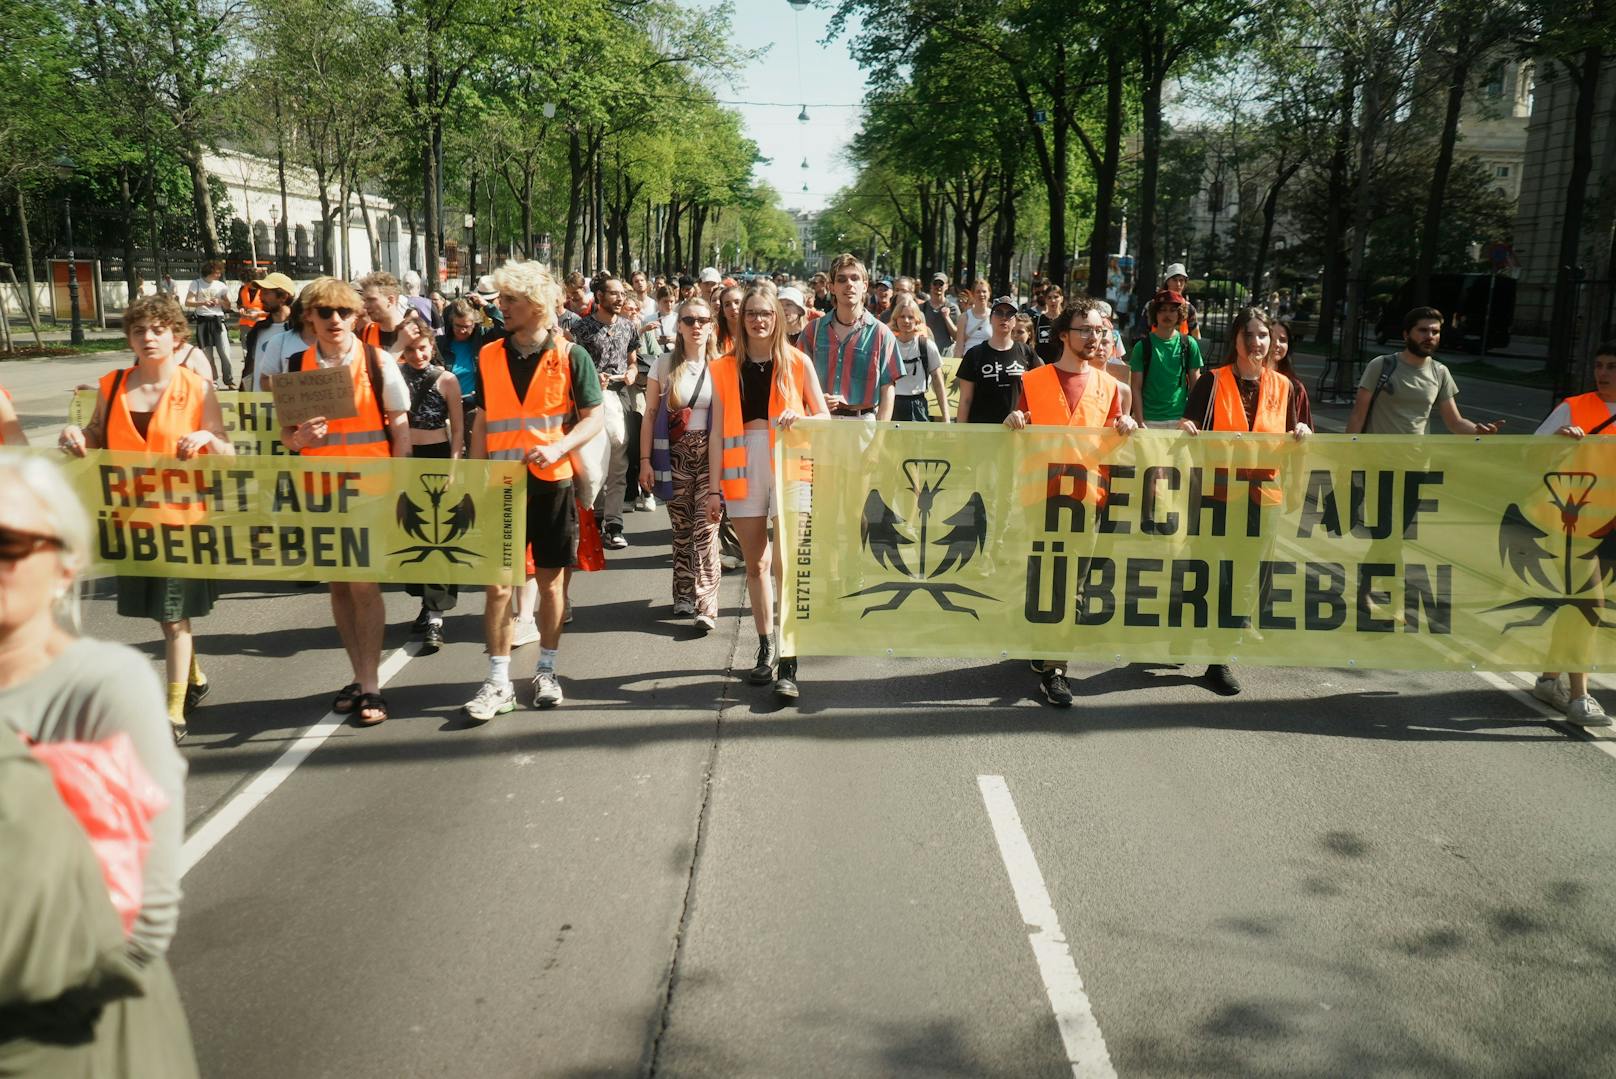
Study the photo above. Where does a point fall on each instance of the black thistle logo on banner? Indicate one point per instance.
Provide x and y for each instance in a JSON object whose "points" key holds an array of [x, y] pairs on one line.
{"points": [[445, 526], [964, 535], [1523, 548]]}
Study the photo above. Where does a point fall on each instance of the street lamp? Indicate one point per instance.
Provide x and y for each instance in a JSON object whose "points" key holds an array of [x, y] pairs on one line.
{"points": [[64, 169], [280, 241]]}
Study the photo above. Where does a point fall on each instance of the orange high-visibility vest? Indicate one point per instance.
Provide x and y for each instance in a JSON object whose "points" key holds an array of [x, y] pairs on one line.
{"points": [[1229, 414], [365, 433], [726, 375], [1046, 401], [178, 413], [250, 303], [1589, 410], [515, 425]]}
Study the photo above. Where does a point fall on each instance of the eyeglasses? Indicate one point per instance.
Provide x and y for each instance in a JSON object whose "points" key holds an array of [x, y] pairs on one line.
{"points": [[338, 312], [757, 313], [1085, 331], [1003, 314], [695, 320], [16, 546]]}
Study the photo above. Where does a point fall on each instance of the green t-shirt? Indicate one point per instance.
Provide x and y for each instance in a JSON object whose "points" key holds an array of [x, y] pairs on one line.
{"points": [[1164, 388]]}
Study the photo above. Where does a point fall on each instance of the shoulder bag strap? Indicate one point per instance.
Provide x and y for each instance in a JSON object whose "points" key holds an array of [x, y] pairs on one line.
{"points": [[1607, 422], [1387, 369]]}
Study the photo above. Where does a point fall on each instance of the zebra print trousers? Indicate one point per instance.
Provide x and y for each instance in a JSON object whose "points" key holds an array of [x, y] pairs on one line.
{"points": [[695, 540]]}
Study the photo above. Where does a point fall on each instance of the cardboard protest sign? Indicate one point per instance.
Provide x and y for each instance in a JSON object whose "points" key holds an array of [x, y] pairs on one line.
{"points": [[304, 395]]}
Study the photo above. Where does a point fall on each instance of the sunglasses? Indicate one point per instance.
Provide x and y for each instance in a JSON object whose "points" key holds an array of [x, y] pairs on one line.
{"points": [[339, 312], [695, 320], [16, 546]]}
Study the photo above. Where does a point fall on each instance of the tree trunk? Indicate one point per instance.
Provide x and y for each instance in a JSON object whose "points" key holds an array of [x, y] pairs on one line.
{"points": [[283, 228], [1363, 204], [201, 200], [327, 266], [958, 274], [1425, 259], [430, 248], [126, 233], [373, 238], [1144, 272], [30, 302], [342, 229], [698, 222], [1335, 219], [1270, 211], [928, 231], [1568, 268], [575, 184], [471, 253], [1105, 177]]}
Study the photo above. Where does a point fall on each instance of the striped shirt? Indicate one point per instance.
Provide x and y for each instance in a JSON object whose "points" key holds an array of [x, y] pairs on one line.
{"points": [[856, 366]]}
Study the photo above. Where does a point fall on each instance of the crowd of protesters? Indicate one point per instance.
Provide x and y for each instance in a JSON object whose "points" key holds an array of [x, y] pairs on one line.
{"points": [[651, 394]]}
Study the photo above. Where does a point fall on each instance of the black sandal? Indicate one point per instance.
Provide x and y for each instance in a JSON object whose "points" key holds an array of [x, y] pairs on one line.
{"points": [[343, 703], [369, 702]]}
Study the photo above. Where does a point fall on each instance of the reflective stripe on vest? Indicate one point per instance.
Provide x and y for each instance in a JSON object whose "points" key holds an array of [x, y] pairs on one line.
{"points": [[363, 434], [514, 426], [726, 375]]}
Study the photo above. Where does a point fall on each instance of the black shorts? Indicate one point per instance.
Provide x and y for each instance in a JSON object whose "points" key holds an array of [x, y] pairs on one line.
{"points": [[552, 522]]}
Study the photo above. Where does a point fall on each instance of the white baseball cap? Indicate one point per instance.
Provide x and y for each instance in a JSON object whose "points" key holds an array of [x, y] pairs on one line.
{"points": [[1175, 269], [711, 276], [791, 294]]}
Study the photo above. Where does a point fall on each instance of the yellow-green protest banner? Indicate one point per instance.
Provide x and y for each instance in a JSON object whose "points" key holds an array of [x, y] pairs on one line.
{"points": [[1388, 552], [303, 518], [249, 419]]}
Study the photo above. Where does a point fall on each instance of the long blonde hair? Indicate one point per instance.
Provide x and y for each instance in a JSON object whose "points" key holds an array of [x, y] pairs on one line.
{"points": [[679, 356], [780, 350]]}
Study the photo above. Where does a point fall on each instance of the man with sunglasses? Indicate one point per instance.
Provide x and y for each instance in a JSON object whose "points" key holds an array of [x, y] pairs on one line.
{"points": [[854, 353], [990, 373]]}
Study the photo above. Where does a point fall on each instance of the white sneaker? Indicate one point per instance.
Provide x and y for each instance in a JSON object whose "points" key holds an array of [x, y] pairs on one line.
{"points": [[730, 561], [645, 503], [1587, 712], [1553, 692], [526, 631], [683, 608], [705, 623], [546, 690], [492, 699]]}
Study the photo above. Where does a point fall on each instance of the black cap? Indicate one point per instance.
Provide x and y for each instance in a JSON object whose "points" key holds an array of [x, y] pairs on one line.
{"points": [[1004, 301]]}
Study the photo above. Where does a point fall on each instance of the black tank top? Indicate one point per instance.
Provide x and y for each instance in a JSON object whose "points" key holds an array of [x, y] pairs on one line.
{"points": [[756, 378], [428, 410]]}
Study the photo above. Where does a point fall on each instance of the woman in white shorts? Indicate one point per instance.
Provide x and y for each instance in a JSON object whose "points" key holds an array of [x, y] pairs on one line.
{"points": [[763, 384]]}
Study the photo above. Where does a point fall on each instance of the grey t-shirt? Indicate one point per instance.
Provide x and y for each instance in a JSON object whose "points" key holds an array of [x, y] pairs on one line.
{"points": [[90, 692], [1404, 406]]}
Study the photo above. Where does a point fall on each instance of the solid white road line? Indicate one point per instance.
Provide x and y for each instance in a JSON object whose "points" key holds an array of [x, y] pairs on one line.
{"points": [[1079, 1030], [233, 812], [1601, 738]]}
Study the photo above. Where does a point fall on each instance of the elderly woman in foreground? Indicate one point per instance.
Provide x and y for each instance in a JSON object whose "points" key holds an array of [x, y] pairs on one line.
{"points": [[68, 1007]]}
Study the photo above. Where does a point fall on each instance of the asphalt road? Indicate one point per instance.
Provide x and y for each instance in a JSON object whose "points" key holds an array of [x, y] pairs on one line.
{"points": [[1336, 873]]}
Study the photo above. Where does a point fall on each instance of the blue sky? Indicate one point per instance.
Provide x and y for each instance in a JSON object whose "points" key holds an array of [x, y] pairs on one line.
{"points": [[828, 77]]}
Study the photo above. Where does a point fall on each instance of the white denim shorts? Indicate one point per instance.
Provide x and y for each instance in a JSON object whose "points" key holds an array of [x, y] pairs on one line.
{"points": [[759, 500]]}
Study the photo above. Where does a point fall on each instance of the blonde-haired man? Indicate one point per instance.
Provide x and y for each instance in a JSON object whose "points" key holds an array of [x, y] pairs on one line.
{"points": [[528, 383]]}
